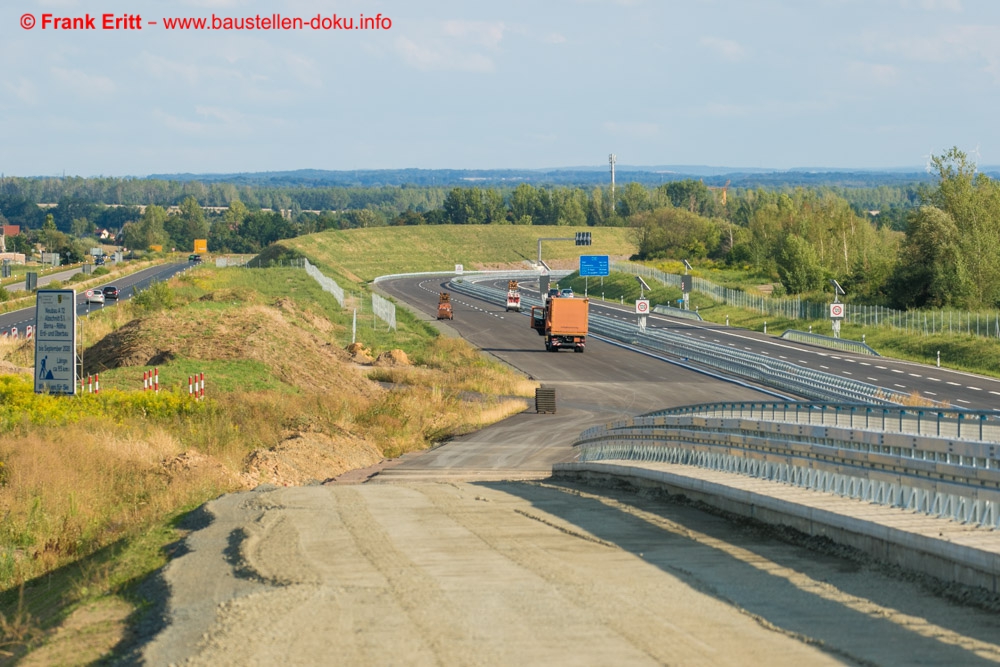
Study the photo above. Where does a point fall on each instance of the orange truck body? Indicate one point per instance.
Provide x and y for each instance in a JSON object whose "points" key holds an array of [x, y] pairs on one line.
{"points": [[563, 322], [444, 307]]}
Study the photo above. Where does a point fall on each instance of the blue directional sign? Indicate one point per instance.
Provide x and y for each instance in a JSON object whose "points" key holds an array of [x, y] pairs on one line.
{"points": [[594, 265]]}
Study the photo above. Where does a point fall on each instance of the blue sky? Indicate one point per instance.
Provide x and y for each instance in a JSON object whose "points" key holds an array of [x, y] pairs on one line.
{"points": [[514, 84]]}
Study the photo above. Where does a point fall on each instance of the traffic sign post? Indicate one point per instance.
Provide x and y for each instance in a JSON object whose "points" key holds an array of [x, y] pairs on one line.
{"points": [[642, 306], [594, 265], [55, 342], [836, 314]]}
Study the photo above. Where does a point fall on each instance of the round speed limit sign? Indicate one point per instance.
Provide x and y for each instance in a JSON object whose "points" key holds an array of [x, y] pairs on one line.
{"points": [[836, 310], [642, 306]]}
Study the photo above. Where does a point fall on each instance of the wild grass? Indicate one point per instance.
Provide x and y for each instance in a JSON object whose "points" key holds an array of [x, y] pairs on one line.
{"points": [[360, 255], [91, 484]]}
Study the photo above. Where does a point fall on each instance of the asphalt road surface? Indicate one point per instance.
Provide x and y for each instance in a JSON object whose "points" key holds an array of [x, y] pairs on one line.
{"points": [[127, 285], [473, 569]]}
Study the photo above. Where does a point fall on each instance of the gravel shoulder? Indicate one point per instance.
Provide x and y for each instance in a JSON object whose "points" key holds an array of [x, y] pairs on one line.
{"points": [[531, 572]]}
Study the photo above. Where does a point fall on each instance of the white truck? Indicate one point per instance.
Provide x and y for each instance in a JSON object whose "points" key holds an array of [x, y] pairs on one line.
{"points": [[513, 296]]}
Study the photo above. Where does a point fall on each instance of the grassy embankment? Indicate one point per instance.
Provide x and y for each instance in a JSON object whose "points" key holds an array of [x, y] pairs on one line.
{"points": [[91, 487], [971, 353]]}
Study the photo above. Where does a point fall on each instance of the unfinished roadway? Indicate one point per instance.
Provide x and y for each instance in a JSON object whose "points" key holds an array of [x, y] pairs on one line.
{"points": [[472, 554]]}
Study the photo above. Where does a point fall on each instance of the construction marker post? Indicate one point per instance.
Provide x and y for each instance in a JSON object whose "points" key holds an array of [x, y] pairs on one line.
{"points": [[196, 386]]}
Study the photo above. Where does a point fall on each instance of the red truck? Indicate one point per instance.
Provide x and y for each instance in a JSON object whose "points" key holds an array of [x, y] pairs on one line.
{"points": [[563, 321]]}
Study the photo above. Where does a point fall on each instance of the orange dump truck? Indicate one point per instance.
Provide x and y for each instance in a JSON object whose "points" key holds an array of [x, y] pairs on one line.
{"points": [[563, 322], [444, 307]]}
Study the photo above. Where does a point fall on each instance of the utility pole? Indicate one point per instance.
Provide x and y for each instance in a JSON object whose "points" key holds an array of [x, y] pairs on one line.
{"points": [[611, 160]]}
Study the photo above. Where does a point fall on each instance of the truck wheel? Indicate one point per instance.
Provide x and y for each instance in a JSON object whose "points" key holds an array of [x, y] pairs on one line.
{"points": [[578, 349]]}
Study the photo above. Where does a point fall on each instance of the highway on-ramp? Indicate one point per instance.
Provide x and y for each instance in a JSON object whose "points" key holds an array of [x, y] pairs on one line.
{"points": [[456, 557]]}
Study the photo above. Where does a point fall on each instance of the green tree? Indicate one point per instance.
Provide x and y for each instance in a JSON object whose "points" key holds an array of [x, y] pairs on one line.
{"points": [[148, 230], [931, 269], [798, 266], [972, 200], [186, 225], [634, 199]]}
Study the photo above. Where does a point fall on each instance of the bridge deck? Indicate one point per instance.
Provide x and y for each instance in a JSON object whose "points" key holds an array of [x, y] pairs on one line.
{"points": [[943, 548]]}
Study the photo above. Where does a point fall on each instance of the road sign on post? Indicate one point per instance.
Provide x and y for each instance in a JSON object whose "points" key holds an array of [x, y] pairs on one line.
{"points": [[836, 311], [642, 306], [55, 342], [594, 265]]}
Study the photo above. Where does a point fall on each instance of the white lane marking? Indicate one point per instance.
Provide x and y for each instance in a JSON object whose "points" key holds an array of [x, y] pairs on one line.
{"points": [[896, 370], [881, 368], [901, 386], [781, 356], [995, 393], [930, 393], [873, 379], [847, 373], [803, 362], [954, 384], [961, 401], [864, 363], [973, 388], [915, 375], [826, 367], [933, 379]]}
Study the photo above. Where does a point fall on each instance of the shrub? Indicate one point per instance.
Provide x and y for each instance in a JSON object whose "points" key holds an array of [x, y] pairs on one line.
{"points": [[157, 296]]}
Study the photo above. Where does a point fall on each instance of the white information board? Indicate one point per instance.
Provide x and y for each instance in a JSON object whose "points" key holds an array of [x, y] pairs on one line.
{"points": [[55, 342]]}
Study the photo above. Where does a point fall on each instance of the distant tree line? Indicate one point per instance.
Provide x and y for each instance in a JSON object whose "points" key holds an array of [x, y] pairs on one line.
{"points": [[935, 243]]}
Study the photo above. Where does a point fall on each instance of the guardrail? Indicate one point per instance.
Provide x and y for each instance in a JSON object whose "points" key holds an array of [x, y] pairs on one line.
{"points": [[826, 341], [677, 312], [759, 368], [916, 459]]}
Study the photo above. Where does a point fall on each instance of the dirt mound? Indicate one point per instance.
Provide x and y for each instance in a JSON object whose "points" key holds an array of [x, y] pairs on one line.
{"points": [[393, 358], [193, 462], [309, 457], [273, 336], [359, 353]]}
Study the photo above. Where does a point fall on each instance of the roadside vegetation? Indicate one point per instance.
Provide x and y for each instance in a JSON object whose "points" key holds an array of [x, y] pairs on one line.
{"points": [[92, 487]]}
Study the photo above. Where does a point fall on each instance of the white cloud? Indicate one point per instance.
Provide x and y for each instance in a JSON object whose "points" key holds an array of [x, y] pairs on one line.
{"points": [[882, 75], [725, 48], [933, 5], [181, 125], [209, 4], [227, 116], [85, 85], [637, 129], [458, 45], [554, 38], [303, 69], [441, 57], [977, 45], [482, 33], [59, 3], [24, 90]]}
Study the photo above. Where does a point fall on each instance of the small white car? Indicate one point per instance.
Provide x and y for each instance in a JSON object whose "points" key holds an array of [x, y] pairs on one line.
{"points": [[94, 296]]}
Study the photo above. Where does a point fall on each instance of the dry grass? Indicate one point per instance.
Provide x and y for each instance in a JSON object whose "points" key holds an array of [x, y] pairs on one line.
{"points": [[80, 474]]}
